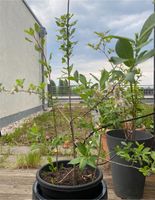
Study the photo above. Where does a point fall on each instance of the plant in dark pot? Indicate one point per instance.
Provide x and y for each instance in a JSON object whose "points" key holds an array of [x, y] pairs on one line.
{"points": [[79, 178], [127, 179]]}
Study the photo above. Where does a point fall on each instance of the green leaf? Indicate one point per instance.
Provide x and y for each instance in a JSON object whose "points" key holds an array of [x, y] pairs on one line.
{"points": [[124, 49], [117, 60], [141, 54], [75, 161], [95, 85], [104, 78], [83, 163], [145, 57], [153, 169], [117, 73], [44, 63], [118, 37], [83, 79], [124, 143], [36, 27], [82, 149], [20, 82], [143, 45], [30, 31], [28, 39], [153, 155], [32, 87], [70, 69], [91, 161], [94, 77], [130, 77], [57, 141], [42, 86], [71, 78], [147, 29], [63, 60], [42, 42], [37, 48]]}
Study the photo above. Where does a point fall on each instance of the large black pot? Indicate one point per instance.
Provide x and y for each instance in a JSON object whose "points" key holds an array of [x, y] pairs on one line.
{"points": [[42, 190], [128, 182]]}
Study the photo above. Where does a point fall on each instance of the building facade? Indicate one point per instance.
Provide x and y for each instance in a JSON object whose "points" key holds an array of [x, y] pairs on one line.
{"points": [[18, 60]]}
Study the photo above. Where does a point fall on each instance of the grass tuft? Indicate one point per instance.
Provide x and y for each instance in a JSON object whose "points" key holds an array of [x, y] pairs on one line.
{"points": [[30, 160]]}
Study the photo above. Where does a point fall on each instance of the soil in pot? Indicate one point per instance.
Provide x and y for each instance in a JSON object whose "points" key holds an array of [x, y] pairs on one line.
{"points": [[128, 182], [65, 176], [55, 186]]}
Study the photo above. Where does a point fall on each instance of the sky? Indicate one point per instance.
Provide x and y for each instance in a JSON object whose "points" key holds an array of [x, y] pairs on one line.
{"points": [[120, 17]]}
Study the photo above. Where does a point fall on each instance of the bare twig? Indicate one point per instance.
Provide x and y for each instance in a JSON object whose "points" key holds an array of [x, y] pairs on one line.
{"points": [[98, 155], [21, 91], [124, 165], [64, 116], [66, 176]]}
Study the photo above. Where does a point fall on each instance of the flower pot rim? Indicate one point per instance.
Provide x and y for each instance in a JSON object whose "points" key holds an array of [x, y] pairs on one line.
{"points": [[150, 136], [67, 187]]}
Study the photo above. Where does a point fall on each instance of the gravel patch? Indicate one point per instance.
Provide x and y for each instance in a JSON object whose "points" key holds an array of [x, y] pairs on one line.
{"points": [[11, 127]]}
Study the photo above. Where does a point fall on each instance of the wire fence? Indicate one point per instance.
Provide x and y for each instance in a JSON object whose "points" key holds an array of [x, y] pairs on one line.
{"points": [[61, 91]]}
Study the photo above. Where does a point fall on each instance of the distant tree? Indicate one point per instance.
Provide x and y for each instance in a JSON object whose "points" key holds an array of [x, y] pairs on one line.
{"points": [[52, 87], [52, 92], [65, 87], [61, 88]]}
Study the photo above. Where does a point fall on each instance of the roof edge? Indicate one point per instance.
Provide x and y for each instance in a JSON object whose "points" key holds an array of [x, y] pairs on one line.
{"points": [[32, 13]]}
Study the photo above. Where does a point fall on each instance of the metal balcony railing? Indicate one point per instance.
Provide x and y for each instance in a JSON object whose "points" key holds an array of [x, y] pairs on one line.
{"points": [[64, 91]]}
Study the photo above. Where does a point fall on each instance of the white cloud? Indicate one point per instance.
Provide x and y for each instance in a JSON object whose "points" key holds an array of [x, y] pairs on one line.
{"points": [[95, 67], [47, 10], [84, 67], [128, 23], [147, 70], [124, 18]]}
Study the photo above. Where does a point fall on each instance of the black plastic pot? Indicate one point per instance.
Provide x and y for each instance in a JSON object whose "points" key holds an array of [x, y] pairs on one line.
{"points": [[42, 190], [128, 182]]}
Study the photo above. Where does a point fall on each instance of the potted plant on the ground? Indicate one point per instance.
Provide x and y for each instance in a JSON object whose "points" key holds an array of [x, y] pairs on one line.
{"points": [[128, 181], [79, 178]]}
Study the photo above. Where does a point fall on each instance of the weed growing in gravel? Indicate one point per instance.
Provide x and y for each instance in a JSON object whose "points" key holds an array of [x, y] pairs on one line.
{"points": [[31, 160]]}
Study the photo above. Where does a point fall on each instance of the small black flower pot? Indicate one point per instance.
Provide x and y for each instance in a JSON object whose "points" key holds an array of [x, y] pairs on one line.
{"points": [[42, 190], [128, 182]]}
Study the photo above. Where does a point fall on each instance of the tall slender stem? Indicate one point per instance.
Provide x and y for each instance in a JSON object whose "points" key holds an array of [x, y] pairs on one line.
{"points": [[51, 98], [133, 105], [55, 127], [69, 90]]}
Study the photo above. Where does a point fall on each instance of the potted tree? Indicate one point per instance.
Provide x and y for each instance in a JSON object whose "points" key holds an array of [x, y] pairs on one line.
{"points": [[79, 178], [128, 181]]}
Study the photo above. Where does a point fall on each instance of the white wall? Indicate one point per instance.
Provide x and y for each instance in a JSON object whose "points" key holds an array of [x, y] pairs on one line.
{"points": [[18, 59]]}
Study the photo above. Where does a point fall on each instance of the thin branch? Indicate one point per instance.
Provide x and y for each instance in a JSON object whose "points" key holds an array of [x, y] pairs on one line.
{"points": [[98, 155], [22, 91], [110, 124], [103, 98], [124, 165], [64, 115], [66, 175]]}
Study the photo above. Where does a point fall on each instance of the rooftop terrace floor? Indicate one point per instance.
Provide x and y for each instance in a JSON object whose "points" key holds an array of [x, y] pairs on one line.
{"points": [[17, 185]]}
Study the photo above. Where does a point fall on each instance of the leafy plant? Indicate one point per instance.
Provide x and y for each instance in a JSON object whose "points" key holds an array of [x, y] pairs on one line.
{"points": [[129, 54], [139, 156], [105, 95]]}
